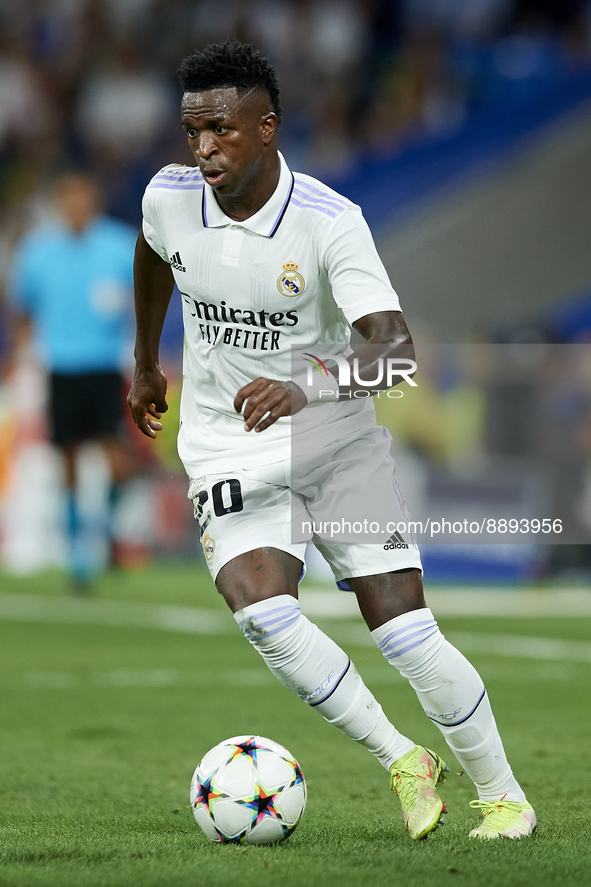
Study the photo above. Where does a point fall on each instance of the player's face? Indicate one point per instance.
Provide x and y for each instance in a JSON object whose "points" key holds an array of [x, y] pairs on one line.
{"points": [[228, 135]]}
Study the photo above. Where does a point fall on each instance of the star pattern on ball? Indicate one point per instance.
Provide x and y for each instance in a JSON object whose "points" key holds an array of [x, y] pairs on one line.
{"points": [[248, 747], [262, 804], [206, 793], [298, 776]]}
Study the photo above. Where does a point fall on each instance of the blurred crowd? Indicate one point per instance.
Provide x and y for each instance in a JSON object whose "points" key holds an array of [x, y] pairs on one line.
{"points": [[92, 82]]}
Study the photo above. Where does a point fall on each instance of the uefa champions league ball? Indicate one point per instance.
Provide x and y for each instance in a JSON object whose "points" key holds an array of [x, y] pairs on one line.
{"points": [[248, 790]]}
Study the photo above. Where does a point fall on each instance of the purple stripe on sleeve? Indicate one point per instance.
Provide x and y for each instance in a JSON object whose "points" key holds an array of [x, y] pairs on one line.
{"points": [[186, 175], [191, 182], [167, 187], [324, 201], [325, 195], [317, 204], [320, 209]]}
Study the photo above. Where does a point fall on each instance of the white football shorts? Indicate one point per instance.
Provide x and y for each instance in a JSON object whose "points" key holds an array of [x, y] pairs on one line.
{"points": [[317, 498]]}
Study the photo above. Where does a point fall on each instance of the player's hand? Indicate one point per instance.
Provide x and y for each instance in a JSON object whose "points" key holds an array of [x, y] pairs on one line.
{"points": [[266, 400], [147, 400]]}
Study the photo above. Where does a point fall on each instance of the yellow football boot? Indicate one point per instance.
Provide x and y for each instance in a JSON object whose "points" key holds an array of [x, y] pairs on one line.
{"points": [[504, 819], [413, 777]]}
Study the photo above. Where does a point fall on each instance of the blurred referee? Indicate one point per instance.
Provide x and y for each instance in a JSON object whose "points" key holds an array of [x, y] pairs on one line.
{"points": [[73, 281]]}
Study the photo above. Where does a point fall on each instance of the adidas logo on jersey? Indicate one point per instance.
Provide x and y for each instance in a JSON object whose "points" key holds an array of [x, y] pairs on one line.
{"points": [[395, 541], [177, 262]]}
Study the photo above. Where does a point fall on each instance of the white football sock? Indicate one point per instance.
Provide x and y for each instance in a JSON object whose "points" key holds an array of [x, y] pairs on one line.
{"points": [[313, 667], [453, 697]]}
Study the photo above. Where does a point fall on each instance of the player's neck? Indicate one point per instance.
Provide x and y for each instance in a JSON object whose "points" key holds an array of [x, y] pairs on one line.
{"points": [[247, 202]]}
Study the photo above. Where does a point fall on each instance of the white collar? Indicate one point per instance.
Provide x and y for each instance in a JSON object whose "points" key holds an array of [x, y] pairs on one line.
{"points": [[264, 222]]}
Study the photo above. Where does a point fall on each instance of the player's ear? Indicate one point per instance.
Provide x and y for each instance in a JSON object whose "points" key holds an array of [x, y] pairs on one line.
{"points": [[269, 125]]}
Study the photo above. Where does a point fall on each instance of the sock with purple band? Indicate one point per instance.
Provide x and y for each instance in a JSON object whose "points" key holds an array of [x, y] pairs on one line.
{"points": [[453, 696], [313, 667]]}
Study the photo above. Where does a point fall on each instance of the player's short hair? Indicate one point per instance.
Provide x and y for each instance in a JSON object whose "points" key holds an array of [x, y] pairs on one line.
{"points": [[230, 64]]}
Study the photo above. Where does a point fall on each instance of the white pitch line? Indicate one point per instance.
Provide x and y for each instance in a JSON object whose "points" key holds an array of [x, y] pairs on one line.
{"points": [[466, 602], [521, 646], [189, 620], [315, 603], [254, 678], [120, 614], [124, 678]]}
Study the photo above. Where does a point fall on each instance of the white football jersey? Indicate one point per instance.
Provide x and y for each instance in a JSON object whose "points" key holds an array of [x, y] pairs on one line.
{"points": [[296, 274]]}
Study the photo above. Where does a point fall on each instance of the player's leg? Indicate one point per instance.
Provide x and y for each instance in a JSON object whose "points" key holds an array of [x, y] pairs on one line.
{"points": [[386, 578], [261, 589], [358, 494], [416, 774], [260, 586], [450, 691]]}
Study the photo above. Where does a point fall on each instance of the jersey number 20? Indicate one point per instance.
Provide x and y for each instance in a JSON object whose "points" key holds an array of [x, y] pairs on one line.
{"points": [[220, 506]]}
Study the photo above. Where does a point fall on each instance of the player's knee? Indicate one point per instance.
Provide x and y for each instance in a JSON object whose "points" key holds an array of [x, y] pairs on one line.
{"points": [[386, 596], [258, 576]]}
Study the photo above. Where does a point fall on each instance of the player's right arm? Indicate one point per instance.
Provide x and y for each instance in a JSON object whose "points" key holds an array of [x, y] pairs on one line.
{"points": [[153, 285]]}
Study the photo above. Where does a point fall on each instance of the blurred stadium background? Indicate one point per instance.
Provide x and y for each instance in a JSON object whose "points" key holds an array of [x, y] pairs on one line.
{"points": [[462, 128]]}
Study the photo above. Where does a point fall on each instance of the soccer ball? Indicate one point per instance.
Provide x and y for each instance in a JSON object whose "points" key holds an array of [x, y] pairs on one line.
{"points": [[248, 790]]}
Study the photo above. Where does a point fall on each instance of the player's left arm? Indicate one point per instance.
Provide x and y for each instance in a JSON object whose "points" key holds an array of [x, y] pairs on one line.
{"points": [[263, 401], [386, 336]]}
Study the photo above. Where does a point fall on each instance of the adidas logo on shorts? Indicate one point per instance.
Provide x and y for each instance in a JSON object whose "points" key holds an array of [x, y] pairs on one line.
{"points": [[177, 262], [395, 541]]}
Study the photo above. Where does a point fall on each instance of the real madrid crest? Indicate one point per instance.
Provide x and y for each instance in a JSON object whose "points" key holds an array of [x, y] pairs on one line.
{"points": [[291, 283], [208, 546]]}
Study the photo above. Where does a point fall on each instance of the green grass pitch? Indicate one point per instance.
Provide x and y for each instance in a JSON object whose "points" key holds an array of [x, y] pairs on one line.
{"points": [[102, 726]]}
